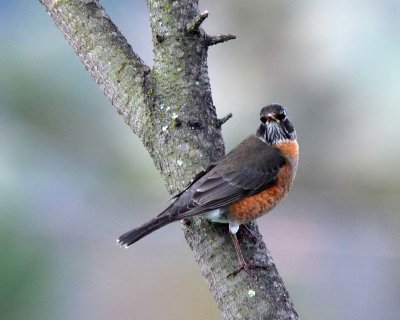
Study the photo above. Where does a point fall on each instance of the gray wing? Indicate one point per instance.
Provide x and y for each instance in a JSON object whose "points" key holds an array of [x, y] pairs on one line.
{"points": [[247, 170]]}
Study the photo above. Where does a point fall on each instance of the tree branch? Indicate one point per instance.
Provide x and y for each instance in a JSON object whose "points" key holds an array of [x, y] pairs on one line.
{"points": [[194, 25], [171, 109], [107, 55], [224, 119], [213, 40]]}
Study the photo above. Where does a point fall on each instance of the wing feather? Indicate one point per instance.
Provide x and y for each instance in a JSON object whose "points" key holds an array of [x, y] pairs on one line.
{"points": [[247, 170]]}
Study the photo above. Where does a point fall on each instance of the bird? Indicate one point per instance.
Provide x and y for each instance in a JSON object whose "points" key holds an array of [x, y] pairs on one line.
{"points": [[245, 184]]}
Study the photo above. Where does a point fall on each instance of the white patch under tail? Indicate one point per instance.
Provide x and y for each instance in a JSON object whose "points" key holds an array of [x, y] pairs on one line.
{"points": [[216, 216]]}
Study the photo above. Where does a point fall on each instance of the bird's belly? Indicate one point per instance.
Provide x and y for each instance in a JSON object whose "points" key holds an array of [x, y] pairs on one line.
{"points": [[250, 208]]}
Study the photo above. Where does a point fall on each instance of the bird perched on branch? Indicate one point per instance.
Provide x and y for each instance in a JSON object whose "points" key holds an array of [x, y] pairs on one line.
{"points": [[244, 185]]}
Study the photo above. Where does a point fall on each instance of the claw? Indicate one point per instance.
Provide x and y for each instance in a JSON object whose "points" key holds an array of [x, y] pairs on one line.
{"points": [[246, 267], [243, 265]]}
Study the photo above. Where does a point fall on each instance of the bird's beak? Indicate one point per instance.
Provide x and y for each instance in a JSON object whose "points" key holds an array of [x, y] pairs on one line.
{"points": [[271, 117]]}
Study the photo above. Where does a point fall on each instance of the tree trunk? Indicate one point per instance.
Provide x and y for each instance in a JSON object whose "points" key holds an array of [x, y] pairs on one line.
{"points": [[171, 109]]}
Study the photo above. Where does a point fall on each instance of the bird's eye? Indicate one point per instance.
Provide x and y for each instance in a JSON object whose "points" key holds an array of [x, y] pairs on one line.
{"points": [[263, 119], [281, 116]]}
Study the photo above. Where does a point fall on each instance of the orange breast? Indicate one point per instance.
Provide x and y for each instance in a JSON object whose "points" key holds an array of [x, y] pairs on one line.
{"points": [[290, 149], [250, 208]]}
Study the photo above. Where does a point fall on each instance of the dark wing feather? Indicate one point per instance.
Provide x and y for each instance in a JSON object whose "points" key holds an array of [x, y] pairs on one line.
{"points": [[233, 187], [247, 170], [194, 180]]}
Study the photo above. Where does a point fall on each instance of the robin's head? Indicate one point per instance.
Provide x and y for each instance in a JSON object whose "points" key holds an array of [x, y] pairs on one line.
{"points": [[275, 126]]}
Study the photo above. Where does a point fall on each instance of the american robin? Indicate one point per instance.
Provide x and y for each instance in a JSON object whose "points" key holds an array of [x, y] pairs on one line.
{"points": [[244, 185]]}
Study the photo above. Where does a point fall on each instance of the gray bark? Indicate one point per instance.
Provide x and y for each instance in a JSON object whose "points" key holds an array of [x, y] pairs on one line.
{"points": [[170, 108]]}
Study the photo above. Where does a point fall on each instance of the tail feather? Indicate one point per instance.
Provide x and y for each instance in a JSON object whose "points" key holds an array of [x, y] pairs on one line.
{"points": [[136, 234]]}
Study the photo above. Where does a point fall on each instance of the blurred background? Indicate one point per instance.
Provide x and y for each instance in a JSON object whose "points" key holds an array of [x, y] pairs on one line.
{"points": [[73, 177]]}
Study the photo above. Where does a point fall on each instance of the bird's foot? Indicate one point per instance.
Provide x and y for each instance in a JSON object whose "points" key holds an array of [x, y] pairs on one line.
{"points": [[246, 267]]}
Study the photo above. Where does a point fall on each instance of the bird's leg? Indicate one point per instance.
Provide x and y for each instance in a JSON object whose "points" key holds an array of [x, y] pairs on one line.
{"points": [[251, 232], [243, 265]]}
